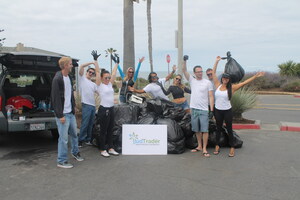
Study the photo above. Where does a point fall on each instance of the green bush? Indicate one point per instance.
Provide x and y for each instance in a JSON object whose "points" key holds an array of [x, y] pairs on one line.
{"points": [[270, 80], [292, 86], [242, 100]]}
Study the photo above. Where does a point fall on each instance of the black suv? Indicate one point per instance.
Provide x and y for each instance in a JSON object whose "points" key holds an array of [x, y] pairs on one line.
{"points": [[28, 75]]}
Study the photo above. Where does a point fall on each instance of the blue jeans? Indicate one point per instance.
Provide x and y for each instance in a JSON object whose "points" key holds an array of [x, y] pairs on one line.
{"points": [[199, 120], [87, 122], [64, 130]]}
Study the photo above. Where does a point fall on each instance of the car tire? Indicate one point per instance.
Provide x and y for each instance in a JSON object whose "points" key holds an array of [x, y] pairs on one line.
{"points": [[55, 135]]}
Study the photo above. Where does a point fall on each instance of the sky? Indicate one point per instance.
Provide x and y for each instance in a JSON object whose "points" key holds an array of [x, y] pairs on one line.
{"points": [[259, 33]]}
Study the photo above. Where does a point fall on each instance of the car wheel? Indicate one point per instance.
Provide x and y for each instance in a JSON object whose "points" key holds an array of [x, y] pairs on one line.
{"points": [[54, 133]]}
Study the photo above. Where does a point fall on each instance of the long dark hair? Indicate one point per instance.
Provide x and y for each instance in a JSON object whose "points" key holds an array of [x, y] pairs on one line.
{"points": [[150, 78], [229, 88]]}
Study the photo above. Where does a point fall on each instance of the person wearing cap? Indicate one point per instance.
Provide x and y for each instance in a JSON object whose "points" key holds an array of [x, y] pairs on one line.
{"points": [[154, 86], [87, 90], [223, 112], [201, 94]]}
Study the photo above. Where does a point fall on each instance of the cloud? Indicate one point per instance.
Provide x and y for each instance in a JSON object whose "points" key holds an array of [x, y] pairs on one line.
{"points": [[260, 33]]}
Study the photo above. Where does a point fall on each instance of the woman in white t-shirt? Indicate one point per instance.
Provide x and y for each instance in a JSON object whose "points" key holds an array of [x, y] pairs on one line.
{"points": [[223, 112], [105, 114]]}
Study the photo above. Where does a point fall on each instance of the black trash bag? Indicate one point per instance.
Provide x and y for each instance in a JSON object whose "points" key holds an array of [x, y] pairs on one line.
{"points": [[212, 138], [233, 68], [186, 125], [117, 139], [95, 134], [174, 130], [175, 113], [149, 118], [126, 114], [176, 147], [191, 142], [155, 105], [176, 139], [238, 143]]}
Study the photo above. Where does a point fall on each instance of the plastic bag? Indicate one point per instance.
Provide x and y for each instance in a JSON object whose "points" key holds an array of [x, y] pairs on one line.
{"points": [[233, 68], [176, 139], [191, 142]]}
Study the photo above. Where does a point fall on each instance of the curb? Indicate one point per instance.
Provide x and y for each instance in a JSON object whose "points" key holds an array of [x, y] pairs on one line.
{"points": [[247, 126], [297, 96], [289, 126]]}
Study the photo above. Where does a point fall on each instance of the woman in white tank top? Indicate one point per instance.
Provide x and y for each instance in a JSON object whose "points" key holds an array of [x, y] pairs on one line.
{"points": [[223, 111]]}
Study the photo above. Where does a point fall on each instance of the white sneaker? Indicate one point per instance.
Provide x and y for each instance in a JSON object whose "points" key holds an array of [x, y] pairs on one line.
{"points": [[104, 154], [113, 152]]}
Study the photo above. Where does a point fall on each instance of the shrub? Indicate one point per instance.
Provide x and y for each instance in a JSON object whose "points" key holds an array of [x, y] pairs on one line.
{"points": [[292, 86], [270, 80], [242, 100]]}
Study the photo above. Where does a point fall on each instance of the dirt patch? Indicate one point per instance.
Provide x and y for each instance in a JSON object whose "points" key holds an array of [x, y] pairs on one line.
{"points": [[243, 121]]}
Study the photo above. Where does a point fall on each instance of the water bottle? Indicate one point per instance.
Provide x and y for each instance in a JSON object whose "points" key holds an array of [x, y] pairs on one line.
{"points": [[8, 113], [44, 107]]}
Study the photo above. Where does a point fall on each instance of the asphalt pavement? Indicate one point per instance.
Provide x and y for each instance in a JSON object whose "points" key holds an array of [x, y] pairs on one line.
{"points": [[267, 167], [275, 108]]}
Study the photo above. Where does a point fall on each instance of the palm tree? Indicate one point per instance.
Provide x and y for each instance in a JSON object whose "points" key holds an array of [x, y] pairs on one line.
{"points": [[109, 52], [149, 34], [289, 68], [128, 35]]}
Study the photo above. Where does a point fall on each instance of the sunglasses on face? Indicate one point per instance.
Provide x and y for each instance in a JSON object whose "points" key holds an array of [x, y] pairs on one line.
{"points": [[91, 72], [154, 77], [209, 74], [178, 79], [131, 72], [107, 78]]}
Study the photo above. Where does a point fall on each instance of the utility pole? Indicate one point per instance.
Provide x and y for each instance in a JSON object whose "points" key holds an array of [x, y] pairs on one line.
{"points": [[180, 36]]}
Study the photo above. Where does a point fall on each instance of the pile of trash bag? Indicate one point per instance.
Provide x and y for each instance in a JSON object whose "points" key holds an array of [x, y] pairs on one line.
{"points": [[163, 112]]}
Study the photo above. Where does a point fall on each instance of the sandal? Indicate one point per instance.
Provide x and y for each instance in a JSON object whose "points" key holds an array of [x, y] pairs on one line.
{"points": [[216, 152], [195, 150], [207, 155], [231, 153]]}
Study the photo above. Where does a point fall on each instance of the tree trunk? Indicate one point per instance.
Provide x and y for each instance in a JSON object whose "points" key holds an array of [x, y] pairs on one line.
{"points": [[128, 33], [149, 34]]}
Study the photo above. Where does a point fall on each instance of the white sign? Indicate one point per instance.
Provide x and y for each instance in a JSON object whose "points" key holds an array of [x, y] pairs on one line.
{"points": [[144, 139]]}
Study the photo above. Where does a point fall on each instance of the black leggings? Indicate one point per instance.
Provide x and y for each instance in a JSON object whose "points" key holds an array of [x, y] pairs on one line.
{"points": [[221, 116], [107, 119]]}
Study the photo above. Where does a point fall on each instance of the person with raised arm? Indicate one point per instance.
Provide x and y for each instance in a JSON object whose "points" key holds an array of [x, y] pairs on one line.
{"points": [[87, 90], [223, 109], [128, 80], [154, 87], [105, 115], [201, 93]]}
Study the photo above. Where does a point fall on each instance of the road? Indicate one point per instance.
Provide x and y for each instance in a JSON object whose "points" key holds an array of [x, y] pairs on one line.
{"points": [[266, 168], [275, 108]]}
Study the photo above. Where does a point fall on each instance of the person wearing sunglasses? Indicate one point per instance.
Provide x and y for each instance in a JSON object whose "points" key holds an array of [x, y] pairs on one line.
{"points": [[223, 112], [105, 115], [128, 80], [177, 90], [209, 74], [155, 84], [87, 90], [202, 93]]}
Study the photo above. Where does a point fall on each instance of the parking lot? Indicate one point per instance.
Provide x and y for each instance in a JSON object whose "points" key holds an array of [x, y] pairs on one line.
{"points": [[266, 167]]}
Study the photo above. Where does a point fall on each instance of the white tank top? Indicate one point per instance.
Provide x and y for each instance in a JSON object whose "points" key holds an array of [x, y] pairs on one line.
{"points": [[221, 99]]}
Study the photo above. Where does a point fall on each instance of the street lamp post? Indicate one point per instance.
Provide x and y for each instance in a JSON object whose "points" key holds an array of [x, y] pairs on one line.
{"points": [[180, 36]]}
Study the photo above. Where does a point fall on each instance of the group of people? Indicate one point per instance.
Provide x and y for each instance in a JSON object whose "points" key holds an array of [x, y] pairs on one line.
{"points": [[208, 98]]}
